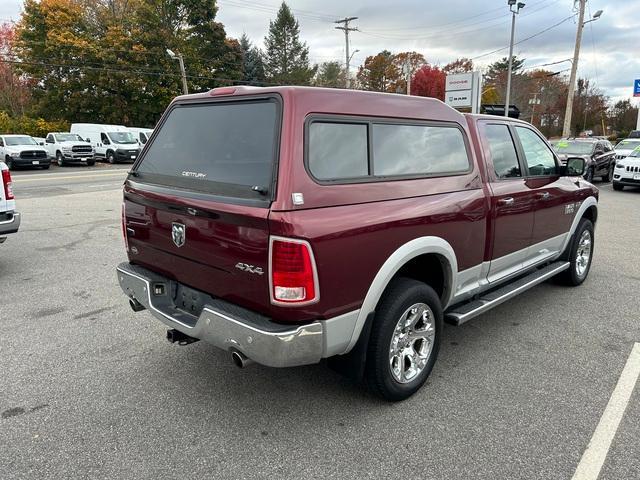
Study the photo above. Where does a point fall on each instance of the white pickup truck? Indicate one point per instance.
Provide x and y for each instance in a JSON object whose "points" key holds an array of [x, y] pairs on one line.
{"points": [[9, 218], [69, 148]]}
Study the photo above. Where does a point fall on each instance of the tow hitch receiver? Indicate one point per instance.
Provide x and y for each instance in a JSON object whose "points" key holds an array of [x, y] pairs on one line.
{"points": [[175, 336]]}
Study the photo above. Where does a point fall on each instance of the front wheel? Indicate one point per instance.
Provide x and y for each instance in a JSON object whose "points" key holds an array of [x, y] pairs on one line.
{"points": [[111, 158], [9, 163], [59, 159], [609, 176], [589, 175], [405, 339], [580, 254]]}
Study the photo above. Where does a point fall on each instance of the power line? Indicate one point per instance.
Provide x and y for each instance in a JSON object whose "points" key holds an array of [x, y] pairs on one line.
{"points": [[525, 39]]}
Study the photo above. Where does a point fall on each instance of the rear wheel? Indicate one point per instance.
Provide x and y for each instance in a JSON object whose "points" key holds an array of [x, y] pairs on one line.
{"points": [[609, 176], [617, 186], [580, 254], [405, 339]]}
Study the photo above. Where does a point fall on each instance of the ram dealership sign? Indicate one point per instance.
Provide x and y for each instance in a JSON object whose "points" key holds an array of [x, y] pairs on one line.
{"points": [[464, 90]]}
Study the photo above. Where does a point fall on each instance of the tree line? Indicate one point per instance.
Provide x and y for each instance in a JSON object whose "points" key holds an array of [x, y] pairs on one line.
{"points": [[106, 61]]}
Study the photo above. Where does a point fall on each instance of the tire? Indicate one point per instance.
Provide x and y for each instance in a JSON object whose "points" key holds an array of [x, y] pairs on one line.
{"points": [[618, 187], [396, 365], [579, 258], [9, 163], [111, 158], [91, 163], [609, 176], [59, 159], [589, 175]]}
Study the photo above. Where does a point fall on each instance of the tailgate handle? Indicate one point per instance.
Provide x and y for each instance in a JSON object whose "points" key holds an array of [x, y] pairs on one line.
{"points": [[506, 201]]}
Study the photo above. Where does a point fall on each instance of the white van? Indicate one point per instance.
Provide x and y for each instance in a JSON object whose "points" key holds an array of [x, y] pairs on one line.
{"points": [[114, 143], [141, 134]]}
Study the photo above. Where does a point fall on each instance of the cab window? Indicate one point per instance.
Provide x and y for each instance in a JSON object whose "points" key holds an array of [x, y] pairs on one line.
{"points": [[539, 158], [503, 151]]}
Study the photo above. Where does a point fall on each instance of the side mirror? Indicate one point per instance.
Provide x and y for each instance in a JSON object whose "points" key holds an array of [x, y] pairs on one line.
{"points": [[575, 167]]}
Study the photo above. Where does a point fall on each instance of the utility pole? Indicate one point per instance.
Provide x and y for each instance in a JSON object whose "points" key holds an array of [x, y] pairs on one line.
{"points": [[520, 5], [183, 73], [407, 70], [566, 129], [533, 102], [346, 30]]}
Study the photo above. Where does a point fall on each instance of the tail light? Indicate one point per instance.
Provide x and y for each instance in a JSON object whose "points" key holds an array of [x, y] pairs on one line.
{"points": [[294, 279], [124, 226], [8, 187]]}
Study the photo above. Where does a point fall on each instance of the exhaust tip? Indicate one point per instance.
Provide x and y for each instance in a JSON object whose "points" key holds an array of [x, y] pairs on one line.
{"points": [[239, 359]]}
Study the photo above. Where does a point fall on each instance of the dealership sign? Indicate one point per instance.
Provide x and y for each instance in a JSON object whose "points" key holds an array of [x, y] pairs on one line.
{"points": [[636, 88], [463, 90]]}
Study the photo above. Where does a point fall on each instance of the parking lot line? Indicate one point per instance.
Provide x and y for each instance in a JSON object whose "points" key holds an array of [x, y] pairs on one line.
{"points": [[596, 452], [66, 177]]}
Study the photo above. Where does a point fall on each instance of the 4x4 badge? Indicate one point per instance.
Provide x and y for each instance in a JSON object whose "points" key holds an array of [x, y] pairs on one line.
{"points": [[249, 268], [178, 233]]}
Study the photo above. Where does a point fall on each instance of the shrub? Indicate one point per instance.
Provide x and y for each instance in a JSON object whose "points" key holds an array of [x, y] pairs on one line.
{"points": [[36, 127]]}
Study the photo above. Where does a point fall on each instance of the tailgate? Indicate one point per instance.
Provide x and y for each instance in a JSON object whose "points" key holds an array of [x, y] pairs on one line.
{"points": [[221, 249]]}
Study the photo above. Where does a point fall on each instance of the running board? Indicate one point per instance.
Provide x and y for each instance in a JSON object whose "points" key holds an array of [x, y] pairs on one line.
{"points": [[466, 311]]}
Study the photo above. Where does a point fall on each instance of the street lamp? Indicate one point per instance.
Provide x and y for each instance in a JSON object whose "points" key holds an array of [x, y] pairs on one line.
{"points": [[566, 129], [177, 56], [514, 12]]}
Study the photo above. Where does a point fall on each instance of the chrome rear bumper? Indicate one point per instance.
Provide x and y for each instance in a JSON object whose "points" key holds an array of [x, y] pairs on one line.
{"points": [[225, 325], [10, 225]]}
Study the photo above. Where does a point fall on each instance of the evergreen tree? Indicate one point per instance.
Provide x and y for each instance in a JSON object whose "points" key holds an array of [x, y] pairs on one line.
{"points": [[287, 58], [330, 74], [252, 66]]}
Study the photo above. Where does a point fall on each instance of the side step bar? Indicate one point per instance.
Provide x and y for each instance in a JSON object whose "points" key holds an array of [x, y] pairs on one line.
{"points": [[466, 311]]}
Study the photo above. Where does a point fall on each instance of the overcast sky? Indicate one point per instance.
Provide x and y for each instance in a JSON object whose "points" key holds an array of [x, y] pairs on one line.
{"points": [[443, 30]]}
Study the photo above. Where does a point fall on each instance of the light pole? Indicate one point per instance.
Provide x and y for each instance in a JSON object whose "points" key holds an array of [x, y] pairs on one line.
{"points": [[566, 129], [178, 56], [518, 7]]}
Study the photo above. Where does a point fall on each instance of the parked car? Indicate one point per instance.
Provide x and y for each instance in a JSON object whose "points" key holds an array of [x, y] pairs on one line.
{"points": [[69, 148], [142, 134], [598, 155], [627, 171], [625, 147], [9, 218], [22, 151], [325, 223], [113, 143]]}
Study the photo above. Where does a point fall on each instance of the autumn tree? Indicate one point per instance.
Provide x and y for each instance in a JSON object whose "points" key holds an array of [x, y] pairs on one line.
{"points": [[460, 65], [330, 74], [252, 66], [286, 58], [14, 88], [379, 73], [429, 81]]}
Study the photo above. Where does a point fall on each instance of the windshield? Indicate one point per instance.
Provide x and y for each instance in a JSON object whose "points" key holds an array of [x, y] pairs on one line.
{"points": [[573, 148], [225, 149], [636, 152], [121, 137], [13, 141], [628, 144], [68, 137]]}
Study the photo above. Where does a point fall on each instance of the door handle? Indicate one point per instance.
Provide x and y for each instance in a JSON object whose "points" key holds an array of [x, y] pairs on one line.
{"points": [[544, 195], [506, 201]]}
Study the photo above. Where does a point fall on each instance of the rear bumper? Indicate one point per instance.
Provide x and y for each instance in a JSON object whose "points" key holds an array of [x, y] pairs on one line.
{"points": [[10, 224], [228, 326]]}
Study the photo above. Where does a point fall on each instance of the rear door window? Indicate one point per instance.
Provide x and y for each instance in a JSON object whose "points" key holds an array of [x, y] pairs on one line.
{"points": [[503, 151], [222, 148]]}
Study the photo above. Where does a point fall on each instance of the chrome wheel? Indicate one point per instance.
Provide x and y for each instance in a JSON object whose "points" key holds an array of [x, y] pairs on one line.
{"points": [[583, 255], [411, 343]]}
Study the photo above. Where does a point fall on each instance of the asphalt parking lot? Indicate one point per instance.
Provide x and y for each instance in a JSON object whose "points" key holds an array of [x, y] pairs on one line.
{"points": [[91, 390]]}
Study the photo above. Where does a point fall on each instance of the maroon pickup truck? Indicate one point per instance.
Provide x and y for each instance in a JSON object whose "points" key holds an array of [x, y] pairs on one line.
{"points": [[287, 225]]}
